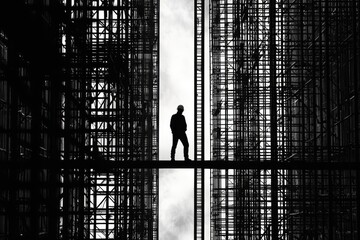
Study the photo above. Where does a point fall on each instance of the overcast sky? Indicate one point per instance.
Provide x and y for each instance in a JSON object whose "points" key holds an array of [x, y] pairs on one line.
{"points": [[176, 87]]}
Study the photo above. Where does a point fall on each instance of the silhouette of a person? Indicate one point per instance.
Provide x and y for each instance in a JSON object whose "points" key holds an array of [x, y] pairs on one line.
{"points": [[178, 128]]}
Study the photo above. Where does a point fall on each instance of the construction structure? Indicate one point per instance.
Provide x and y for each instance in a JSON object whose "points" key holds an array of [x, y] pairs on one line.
{"points": [[79, 84], [284, 89], [79, 111]]}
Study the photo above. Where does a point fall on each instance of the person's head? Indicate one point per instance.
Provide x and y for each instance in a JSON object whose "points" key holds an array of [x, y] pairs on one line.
{"points": [[180, 108]]}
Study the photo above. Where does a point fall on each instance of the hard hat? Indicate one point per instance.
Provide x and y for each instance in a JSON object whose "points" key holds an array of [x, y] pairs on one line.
{"points": [[180, 107]]}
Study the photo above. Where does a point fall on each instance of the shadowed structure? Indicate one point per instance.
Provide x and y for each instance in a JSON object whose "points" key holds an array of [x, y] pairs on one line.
{"points": [[78, 84], [79, 119]]}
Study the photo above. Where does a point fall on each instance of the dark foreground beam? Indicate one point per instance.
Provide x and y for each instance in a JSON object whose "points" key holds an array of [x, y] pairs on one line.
{"points": [[109, 166]]}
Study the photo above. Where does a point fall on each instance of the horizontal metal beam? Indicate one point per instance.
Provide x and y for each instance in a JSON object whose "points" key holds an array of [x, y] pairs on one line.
{"points": [[111, 166]]}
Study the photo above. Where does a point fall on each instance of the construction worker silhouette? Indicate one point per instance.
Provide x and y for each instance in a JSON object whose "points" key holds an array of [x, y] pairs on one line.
{"points": [[178, 128]]}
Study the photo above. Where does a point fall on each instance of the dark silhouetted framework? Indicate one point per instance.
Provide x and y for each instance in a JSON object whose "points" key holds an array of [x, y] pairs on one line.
{"points": [[79, 107], [284, 91], [78, 84]]}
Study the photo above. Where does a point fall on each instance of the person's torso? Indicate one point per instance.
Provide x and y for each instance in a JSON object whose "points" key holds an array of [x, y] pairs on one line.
{"points": [[179, 124]]}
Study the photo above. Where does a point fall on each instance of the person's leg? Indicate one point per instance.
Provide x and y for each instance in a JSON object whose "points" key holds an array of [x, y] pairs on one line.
{"points": [[185, 142], [174, 144]]}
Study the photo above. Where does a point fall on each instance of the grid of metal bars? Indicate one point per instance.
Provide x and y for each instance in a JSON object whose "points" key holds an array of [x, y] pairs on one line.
{"points": [[199, 173], [284, 89], [79, 83]]}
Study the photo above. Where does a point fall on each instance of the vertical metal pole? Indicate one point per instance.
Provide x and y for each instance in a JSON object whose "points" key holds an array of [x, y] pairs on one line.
{"points": [[328, 133], [55, 154], [125, 226], [315, 112], [157, 36], [11, 76], [199, 16], [67, 190], [35, 198], [81, 187], [356, 18], [273, 118], [54, 143]]}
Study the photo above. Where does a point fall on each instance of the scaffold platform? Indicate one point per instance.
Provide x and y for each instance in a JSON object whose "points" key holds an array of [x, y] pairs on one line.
{"points": [[110, 166]]}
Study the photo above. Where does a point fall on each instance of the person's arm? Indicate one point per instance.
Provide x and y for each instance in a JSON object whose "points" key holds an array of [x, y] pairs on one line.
{"points": [[185, 124], [172, 124]]}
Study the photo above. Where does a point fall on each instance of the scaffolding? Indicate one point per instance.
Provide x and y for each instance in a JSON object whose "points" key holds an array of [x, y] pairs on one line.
{"points": [[79, 107], [284, 89], [79, 84]]}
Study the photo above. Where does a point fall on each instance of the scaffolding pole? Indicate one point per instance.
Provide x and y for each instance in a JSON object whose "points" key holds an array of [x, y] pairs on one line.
{"points": [[199, 110]]}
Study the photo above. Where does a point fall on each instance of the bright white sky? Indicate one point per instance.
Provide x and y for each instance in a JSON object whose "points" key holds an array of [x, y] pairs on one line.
{"points": [[177, 87]]}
